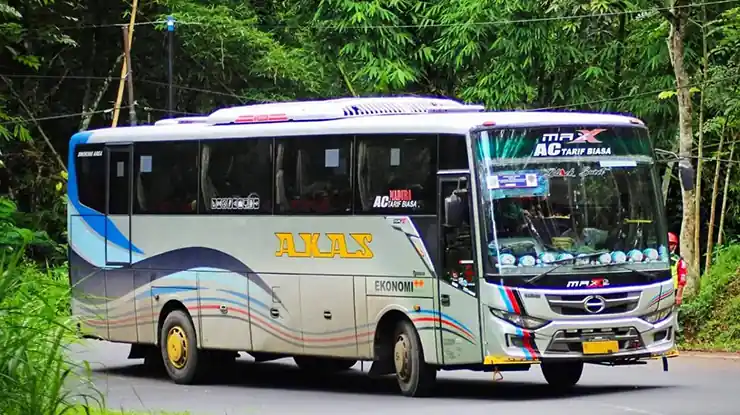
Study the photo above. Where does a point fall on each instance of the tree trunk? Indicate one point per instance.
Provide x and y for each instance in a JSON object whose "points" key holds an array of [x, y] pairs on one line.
{"points": [[721, 231], [686, 137], [715, 192]]}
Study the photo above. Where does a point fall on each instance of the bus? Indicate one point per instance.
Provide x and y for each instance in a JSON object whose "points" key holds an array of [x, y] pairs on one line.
{"points": [[419, 234]]}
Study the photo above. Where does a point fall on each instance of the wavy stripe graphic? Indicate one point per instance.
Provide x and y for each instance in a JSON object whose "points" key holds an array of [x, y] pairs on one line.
{"points": [[361, 334], [659, 297], [87, 278]]}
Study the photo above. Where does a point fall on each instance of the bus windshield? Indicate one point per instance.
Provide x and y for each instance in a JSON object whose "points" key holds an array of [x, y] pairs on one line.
{"points": [[569, 200]]}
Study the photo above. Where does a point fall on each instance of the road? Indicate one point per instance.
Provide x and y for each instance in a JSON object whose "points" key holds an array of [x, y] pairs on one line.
{"points": [[694, 385]]}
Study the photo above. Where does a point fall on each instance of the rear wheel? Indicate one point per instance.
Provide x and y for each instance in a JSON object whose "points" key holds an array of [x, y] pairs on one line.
{"points": [[184, 362], [323, 364], [415, 377], [562, 375]]}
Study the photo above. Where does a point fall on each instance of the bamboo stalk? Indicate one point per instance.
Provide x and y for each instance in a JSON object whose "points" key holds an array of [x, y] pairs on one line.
{"points": [[724, 197], [124, 67], [712, 214]]}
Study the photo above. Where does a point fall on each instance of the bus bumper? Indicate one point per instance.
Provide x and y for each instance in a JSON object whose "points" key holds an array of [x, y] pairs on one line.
{"points": [[617, 341]]}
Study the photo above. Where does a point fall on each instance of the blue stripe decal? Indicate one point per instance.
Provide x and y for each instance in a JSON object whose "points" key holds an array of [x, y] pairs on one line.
{"points": [[114, 235], [440, 314], [510, 308]]}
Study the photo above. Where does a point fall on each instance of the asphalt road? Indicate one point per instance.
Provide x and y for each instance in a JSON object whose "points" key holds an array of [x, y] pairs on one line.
{"points": [[694, 385]]}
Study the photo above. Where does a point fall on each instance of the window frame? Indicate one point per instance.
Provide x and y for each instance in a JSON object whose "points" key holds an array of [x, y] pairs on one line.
{"points": [[272, 154], [349, 138], [167, 146], [102, 174]]}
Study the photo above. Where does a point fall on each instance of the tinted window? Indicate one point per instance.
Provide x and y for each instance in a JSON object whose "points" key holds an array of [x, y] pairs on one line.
{"points": [[396, 174], [166, 177], [235, 176], [119, 179], [453, 154], [90, 170], [312, 175]]}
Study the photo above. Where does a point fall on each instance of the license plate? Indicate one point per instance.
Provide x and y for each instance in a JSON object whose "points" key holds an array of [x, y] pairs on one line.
{"points": [[600, 347]]}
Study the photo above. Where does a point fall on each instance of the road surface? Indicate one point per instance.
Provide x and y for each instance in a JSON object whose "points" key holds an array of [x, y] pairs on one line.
{"points": [[694, 385]]}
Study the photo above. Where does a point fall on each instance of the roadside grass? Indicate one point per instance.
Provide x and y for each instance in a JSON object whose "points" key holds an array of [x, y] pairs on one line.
{"points": [[88, 411], [711, 319], [35, 330]]}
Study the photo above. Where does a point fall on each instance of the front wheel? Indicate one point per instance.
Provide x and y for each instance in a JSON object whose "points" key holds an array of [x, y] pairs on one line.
{"points": [[562, 375], [415, 377]]}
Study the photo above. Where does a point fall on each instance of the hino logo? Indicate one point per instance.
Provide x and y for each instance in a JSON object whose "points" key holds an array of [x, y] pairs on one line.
{"points": [[594, 304], [594, 283]]}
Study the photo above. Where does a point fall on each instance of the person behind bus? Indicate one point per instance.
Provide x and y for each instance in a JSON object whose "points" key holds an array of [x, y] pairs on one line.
{"points": [[678, 267]]}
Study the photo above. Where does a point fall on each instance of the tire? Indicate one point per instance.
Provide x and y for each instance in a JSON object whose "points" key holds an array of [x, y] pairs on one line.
{"points": [[185, 364], [562, 375], [323, 364], [415, 377]]}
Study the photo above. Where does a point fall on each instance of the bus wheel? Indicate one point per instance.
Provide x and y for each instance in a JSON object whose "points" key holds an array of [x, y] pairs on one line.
{"points": [[562, 375], [415, 377], [182, 359], [323, 364]]}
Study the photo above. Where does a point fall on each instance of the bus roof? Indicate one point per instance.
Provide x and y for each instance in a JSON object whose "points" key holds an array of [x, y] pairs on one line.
{"points": [[388, 115]]}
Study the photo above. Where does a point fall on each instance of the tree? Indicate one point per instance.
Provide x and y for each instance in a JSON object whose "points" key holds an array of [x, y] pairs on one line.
{"points": [[678, 17]]}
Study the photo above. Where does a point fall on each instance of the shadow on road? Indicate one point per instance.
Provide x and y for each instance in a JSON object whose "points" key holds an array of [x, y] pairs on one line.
{"points": [[276, 375]]}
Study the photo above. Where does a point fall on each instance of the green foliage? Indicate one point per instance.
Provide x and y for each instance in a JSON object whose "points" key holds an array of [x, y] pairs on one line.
{"points": [[711, 319], [35, 329]]}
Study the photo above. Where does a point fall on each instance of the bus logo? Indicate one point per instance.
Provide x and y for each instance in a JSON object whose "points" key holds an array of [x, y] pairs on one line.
{"points": [[594, 283], [338, 243], [588, 136]]}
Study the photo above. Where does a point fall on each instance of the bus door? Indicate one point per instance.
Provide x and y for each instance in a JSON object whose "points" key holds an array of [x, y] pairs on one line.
{"points": [[118, 192], [456, 267]]}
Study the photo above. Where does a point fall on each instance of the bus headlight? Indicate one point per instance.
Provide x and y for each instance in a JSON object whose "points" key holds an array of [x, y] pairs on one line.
{"points": [[658, 316], [526, 322]]}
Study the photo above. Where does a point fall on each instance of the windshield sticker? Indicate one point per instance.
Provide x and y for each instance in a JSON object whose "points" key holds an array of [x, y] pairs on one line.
{"points": [[568, 145], [586, 171], [618, 163], [510, 184], [512, 181], [396, 199]]}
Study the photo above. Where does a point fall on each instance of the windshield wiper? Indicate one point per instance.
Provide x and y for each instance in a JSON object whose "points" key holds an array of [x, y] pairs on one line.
{"points": [[617, 264], [560, 262]]}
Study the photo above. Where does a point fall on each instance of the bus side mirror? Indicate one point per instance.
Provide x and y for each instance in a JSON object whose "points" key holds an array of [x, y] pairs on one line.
{"points": [[686, 174]]}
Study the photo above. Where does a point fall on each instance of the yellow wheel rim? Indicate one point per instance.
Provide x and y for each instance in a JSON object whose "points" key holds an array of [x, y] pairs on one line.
{"points": [[177, 347]]}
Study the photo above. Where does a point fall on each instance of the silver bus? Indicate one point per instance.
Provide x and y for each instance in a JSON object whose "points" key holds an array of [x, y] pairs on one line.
{"points": [[420, 234]]}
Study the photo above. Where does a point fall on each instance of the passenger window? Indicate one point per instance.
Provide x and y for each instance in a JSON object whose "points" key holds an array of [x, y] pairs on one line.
{"points": [[396, 174], [235, 176], [312, 175], [91, 174], [453, 153], [166, 177]]}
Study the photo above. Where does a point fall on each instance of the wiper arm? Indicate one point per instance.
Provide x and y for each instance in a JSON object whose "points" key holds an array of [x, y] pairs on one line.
{"points": [[617, 264], [560, 262]]}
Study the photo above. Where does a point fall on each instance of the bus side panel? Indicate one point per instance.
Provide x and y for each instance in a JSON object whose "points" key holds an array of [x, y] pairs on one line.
{"points": [[276, 318], [224, 311], [378, 306], [87, 277], [365, 331], [328, 314], [119, 286], [146, 320]]}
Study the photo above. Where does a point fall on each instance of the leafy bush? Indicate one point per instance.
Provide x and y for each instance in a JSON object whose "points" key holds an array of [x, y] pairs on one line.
{"points": [[711, 319], [35, 328]]}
